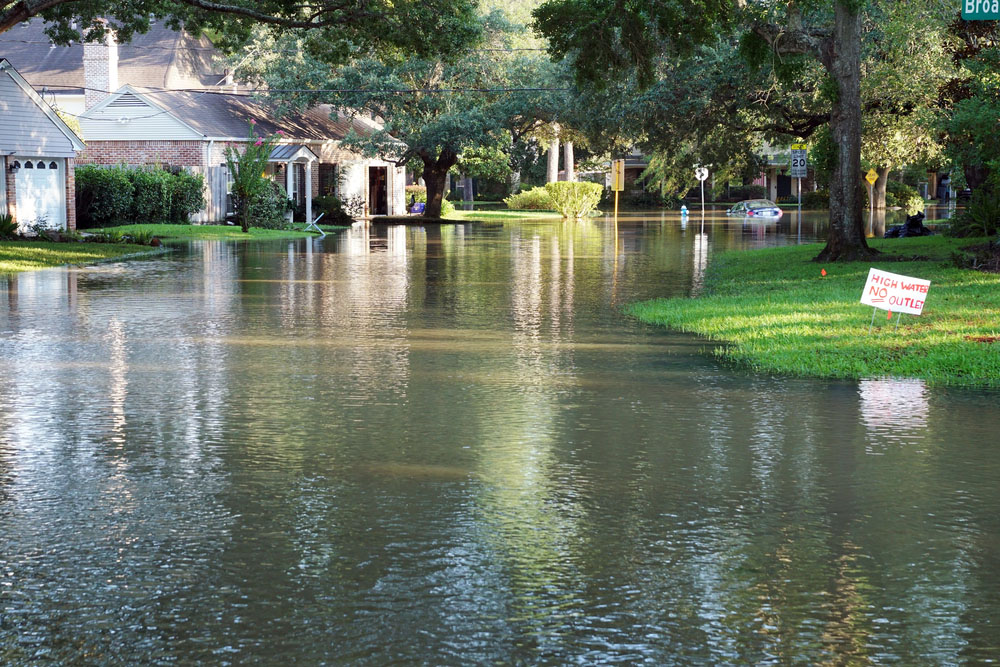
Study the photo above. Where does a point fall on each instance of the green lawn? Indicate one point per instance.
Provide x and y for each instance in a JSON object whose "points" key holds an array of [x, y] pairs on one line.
{"points": [[503, 215], [17, 256], [777, 313], [221, 232]]}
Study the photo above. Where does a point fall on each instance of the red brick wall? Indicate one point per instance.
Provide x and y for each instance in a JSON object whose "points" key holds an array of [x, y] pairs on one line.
{"points": [[137, 153], [11, 208], [70, 194]]}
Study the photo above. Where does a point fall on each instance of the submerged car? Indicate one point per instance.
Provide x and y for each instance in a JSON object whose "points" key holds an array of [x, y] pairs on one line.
{"points": [[756, 208]]}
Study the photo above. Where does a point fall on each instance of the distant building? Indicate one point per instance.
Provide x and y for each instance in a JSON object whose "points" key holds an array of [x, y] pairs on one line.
{"points": [[160, 100]]}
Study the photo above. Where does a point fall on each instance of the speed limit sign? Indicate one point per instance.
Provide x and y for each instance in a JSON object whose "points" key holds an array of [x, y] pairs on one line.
{"points": [[799, 166], [701, 173]]}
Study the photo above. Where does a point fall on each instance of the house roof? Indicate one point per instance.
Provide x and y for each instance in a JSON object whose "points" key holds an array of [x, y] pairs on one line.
{"points": [[225, 115], [160, 58], [25, 126], [291, 153]]}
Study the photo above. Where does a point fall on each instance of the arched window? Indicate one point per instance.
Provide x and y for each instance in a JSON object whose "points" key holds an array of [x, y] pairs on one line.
{"points": [[53, 165], [28, 165], [16, 165]]}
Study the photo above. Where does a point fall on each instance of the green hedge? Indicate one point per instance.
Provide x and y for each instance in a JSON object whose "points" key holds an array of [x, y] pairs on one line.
{"points": [[120, 195], [535, 199]]}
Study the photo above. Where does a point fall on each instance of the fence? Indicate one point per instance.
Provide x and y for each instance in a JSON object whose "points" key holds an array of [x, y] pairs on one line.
{"points": [[215, 194]]}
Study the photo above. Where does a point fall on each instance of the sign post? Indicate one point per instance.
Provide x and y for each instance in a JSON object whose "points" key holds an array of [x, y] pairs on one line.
{"points": [[895, 293], [799, 169], [701, 173], [871, 177], [617, 180]]}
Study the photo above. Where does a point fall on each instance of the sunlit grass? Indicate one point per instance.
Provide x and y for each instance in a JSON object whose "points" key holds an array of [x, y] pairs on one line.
{"points": [[777, 313], [17, 256], [503, 215], [210, 232]]}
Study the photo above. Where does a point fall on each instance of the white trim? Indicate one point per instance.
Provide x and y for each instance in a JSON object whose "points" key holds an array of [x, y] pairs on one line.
{"points": [[9, 70]]}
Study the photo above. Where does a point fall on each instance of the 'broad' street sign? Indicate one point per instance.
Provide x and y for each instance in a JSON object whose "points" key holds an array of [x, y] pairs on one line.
{"points": [[981, 10]]}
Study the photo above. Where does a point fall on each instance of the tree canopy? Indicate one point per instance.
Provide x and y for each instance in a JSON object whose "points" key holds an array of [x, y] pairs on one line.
{"points": [[343, 26]]}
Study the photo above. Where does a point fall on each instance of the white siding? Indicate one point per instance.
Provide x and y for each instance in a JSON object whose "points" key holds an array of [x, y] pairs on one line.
{"points": [[353, 182], [24, 128], [128, 118]]}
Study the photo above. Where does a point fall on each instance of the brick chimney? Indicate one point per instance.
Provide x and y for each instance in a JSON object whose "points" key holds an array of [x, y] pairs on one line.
{"points": [[100, 69]]}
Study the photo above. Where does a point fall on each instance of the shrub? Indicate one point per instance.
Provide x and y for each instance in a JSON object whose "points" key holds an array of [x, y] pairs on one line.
{"points": [[266, 208], [333, 211], [108, 196], [535, 199], [8, 228], [188, 196], [816, 199], [419, 193], [981, 216], [103, 195], [252, 192], [152, 189], [574, 199], [742, 192], [904, 196]]}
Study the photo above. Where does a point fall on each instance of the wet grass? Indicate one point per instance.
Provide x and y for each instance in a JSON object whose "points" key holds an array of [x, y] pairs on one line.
{"points": [[18, 256], [778, 314]]}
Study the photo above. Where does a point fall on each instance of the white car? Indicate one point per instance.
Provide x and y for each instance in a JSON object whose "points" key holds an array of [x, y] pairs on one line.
{"points": [[756, 208]]}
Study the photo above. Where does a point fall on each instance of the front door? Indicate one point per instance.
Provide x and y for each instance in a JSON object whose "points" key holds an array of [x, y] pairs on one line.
{"points": [[378, 190], [40, 195]]}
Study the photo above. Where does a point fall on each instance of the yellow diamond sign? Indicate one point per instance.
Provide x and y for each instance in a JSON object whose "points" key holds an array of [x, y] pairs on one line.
{"points": [[871, 176]]}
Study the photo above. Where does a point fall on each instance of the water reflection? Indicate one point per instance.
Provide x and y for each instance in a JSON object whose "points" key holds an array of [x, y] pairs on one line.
{"points": [[446, 445]]}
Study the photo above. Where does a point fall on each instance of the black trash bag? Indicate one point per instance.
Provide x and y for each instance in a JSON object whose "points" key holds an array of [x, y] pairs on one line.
{"points": [[914, 226]]}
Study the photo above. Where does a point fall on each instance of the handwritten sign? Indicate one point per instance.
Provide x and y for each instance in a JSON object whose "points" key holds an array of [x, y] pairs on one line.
{"points": [[896, 293]]}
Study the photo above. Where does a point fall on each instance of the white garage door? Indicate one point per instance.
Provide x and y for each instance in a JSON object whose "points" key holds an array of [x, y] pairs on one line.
{"points": [[41, 195]]}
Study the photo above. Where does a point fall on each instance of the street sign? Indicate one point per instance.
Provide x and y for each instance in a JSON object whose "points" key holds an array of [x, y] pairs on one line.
{"points": [[981, 10], [617, 175], [799, 166], [701, 173], [871, 176]]}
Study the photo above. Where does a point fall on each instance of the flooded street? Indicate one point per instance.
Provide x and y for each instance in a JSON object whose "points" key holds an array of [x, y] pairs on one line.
{"points": [[449, 446]]}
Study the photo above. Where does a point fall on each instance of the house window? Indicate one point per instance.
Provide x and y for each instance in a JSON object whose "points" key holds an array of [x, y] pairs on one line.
{"points": [[328, 175], [53, 165], [28, 165]]}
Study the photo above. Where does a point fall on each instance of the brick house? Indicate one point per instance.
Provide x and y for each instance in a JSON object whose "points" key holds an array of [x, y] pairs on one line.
{"points": [[37, 152], [161, 100]]}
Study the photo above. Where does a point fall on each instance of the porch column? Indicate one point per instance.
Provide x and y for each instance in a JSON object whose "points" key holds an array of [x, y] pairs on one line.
{"points": [[289, 188], [307, 189]]}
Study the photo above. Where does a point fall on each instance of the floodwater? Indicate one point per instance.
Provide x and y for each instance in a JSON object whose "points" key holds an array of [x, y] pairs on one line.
{"points": [[448, 446]]}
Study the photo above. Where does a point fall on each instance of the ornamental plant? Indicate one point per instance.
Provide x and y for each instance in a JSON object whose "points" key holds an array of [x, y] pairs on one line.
{"points": [[247, 169], [574, 199], [535, 199]]}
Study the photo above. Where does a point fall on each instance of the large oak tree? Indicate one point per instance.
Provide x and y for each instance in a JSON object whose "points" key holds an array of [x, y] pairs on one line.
{"points": [[604, 38]]}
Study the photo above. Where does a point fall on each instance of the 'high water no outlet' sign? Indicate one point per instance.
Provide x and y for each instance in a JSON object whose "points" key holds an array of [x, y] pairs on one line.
{"points": [[980, 10]]}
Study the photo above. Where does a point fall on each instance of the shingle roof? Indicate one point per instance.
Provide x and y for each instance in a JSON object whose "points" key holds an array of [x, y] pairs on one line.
{"points": [[160, 58], [217, 114]]}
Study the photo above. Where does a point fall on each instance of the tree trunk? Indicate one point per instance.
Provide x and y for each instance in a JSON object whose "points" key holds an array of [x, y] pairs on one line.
{"points": [[878, 190], [552, 175], [841, 56], [436, 177], [515, 182], [975, 175], [569, 161]]}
